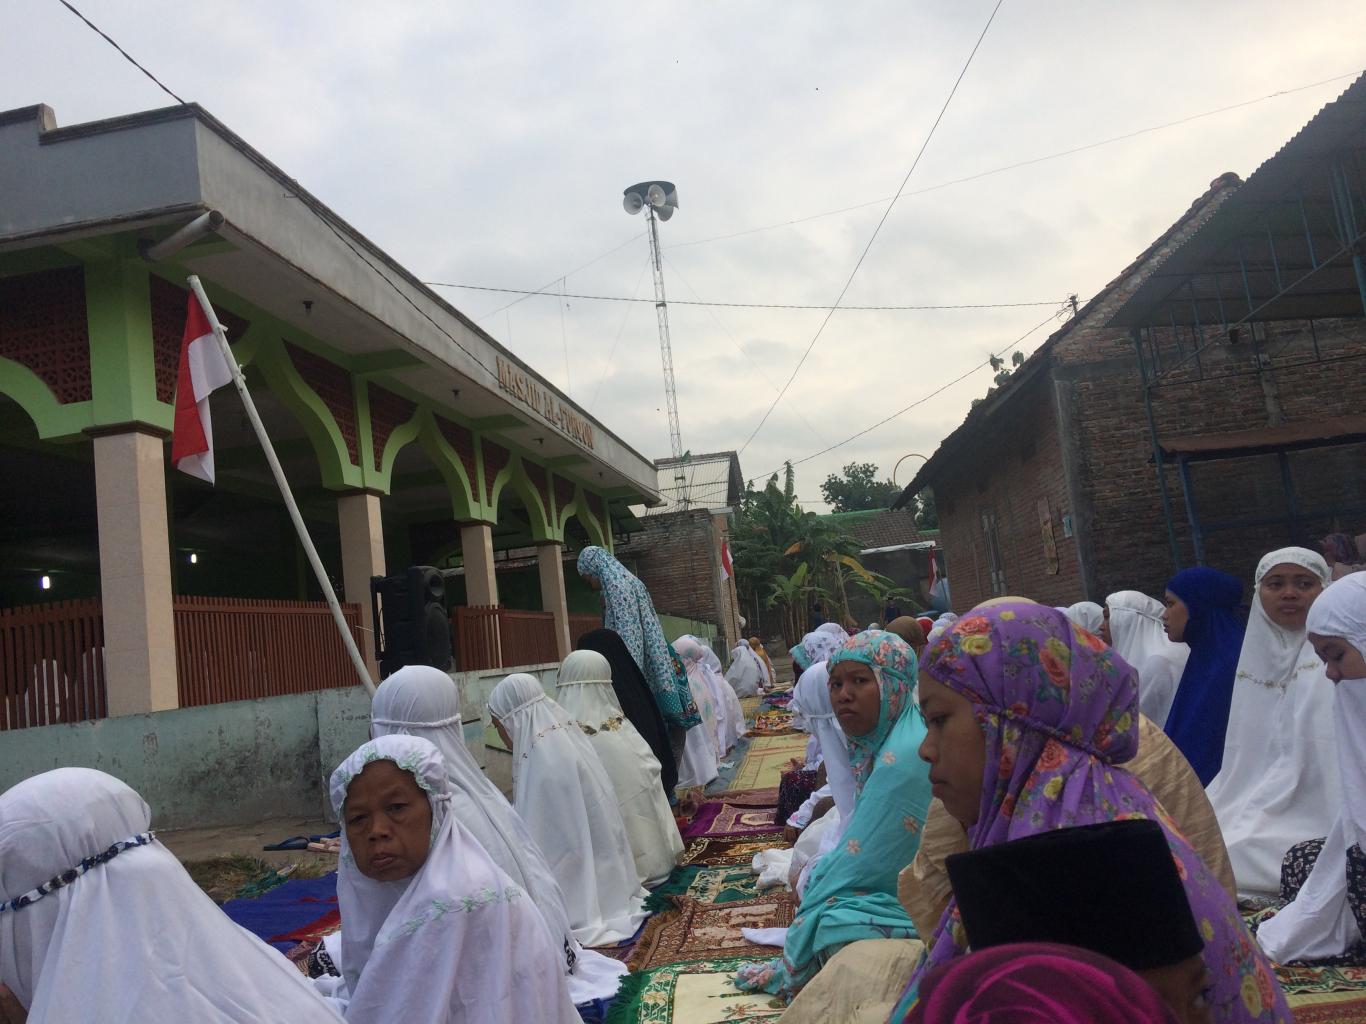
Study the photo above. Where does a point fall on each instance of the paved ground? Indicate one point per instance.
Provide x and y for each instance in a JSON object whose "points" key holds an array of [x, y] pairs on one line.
{"points": [[204, 843]]}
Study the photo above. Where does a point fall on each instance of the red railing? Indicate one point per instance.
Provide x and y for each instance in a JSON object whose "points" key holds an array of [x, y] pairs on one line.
{"points": [[51, 664], [496, 637], [230, 648]]}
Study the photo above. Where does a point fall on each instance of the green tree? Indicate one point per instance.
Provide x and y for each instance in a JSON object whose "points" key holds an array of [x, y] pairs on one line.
{"points": [[926, 514], [858, 489]]}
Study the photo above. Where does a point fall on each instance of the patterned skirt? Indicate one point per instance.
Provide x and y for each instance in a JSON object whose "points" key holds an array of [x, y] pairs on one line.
{"points": [[793, 789], [1299, 861]]}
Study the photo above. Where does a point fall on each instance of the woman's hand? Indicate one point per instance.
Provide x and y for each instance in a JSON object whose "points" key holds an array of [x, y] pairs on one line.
{"points": [[790, 834], [10, 1010]]}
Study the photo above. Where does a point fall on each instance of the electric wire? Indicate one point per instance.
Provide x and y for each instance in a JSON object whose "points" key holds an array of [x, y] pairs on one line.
{"points": [[885, 213], [126, 55], [524, 295]]}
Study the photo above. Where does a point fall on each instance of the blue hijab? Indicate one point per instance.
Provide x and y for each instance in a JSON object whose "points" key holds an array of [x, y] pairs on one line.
{"points": [[1214, 632]]}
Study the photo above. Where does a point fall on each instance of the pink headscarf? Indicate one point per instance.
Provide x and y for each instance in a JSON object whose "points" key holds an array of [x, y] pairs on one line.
{"points": [[1059, 710], [1037, 983]]}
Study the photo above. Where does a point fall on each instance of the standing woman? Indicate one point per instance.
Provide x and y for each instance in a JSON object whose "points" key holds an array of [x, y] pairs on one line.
{"points": [[704, 743], [1133, 627], [1325, 879], [1029, 722], [746, 672], [628, 611], [734, 726], [562, 792], [757, 646], [1202, 612], [851, 893], [584, 689], [637, 703], [1279, 782]]}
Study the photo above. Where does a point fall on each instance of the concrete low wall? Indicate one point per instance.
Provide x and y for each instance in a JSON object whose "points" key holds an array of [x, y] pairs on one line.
{"points": [[242, 762], [223, 764]]}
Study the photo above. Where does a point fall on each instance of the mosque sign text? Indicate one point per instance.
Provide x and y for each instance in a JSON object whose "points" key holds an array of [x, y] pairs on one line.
{"points": [[562, 416]]}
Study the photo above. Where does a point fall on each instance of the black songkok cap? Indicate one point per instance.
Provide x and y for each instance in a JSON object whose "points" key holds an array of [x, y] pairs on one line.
{"points": [[1111, 888]]}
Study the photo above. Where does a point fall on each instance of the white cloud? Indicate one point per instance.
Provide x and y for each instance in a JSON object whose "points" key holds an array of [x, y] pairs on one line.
{"points": [[489, 145]]}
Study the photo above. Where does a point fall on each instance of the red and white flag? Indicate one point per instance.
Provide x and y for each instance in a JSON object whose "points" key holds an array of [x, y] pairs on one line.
{"points": [[727, 567], [203, 370]]}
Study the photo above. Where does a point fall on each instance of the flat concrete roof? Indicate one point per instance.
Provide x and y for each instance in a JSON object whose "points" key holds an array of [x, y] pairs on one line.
{"points": [[153, 171]]}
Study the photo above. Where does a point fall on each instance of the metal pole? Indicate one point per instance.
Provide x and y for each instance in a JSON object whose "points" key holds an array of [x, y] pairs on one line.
{"points": [[665, 348], [1157, 456], [1188, 492], [283, 484]]}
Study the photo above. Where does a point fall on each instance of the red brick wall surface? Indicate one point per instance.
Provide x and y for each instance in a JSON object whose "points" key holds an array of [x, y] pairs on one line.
{"points": [[676, 558]]}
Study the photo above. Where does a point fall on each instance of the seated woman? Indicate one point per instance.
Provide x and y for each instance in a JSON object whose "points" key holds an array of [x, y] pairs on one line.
{"points": [[746, 672], [99, 922], [1202, 612], [418, 700], [584, 689], [1278, 785], [563, 794], [1088, 615], [1133, 627], [800, 662], [637, 704], [851, 894], [911, 630], [1038, 983], [1028, 720], [432, 931], [1325, 879], [770, 677]]}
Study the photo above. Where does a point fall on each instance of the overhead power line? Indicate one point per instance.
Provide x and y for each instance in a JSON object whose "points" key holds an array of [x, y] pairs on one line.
{"points": [[730, 305], [126, 55], [873, 237], [1018, 164]]}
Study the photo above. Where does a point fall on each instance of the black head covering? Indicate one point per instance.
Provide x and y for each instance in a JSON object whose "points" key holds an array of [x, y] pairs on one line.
{"points": [[637, 702], [1111, 888]]}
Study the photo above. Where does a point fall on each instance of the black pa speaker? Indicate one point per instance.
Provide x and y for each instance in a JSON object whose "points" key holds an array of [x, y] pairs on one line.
{"points": [[410, 619]]}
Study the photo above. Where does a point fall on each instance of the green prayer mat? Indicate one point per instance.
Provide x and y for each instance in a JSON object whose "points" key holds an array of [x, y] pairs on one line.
{"points": [[700, 992]]}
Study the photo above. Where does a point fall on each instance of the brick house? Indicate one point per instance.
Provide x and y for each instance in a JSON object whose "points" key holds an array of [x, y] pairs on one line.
{"points": [[1204, 407]]}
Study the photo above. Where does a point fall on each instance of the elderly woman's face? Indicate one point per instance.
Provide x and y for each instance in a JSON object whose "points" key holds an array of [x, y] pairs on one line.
{"points": [[388, 822], [954, 748]]}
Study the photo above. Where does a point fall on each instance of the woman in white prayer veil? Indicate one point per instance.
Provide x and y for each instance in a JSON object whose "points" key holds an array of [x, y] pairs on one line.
{"points": [[562, 792], [1278, 784], [419, 700], [1133, 621], [584, 690], [814, 690], [733, 725], [746, 671], [1086, 614], [99, 923], [711, 704], [432, 931], [1327, 915]]}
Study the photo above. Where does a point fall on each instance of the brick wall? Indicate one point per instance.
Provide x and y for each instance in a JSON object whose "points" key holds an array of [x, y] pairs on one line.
{"points": [[1016, 464], [678, 558]]}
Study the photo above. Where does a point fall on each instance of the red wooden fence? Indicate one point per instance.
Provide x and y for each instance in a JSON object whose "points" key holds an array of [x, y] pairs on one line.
{"points": [[230, 648], [51, 664], [496, 637]]}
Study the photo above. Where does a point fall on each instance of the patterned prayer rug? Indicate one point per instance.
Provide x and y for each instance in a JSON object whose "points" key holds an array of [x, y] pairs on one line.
{"points": [[716, 852], [766, 760], [693, 993], [717, 886], [1337, 1008], [1305, 980], [701, 931], [777, 722], [722, 819], [767, 797]]}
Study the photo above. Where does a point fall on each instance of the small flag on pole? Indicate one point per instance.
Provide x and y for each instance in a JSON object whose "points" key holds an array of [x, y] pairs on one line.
{"points": [[727, 567], [203, 370]]}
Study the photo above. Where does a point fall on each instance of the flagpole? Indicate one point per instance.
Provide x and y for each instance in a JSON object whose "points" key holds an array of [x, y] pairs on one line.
{"points": [[298, 520]]}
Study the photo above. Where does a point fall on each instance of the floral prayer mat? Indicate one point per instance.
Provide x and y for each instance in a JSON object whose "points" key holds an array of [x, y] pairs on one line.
{"points": [[1306, 980], [720, 818], [701, 931], [715, 852], [695, 993], [766, 760], [1337, 1008], [775, 722]]}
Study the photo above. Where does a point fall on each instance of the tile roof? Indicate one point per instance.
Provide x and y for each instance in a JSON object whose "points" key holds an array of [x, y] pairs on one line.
{"points": [[881, 528]]}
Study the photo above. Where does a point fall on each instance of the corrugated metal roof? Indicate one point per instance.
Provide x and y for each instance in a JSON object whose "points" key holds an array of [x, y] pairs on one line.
{"points": [[1203, 280], [710, 481]]}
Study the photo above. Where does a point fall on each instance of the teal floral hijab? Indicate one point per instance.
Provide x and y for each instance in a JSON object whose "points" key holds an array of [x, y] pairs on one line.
{"points": [[628, 611], [894, 665], [851, 894]]}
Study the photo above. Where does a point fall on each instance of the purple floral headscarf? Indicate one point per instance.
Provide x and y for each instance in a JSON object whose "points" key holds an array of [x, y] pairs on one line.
{"points": [[1059, 711], [894, 666]]}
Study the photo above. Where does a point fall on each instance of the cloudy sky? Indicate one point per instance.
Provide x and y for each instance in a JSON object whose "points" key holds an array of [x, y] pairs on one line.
{"points": [[489, 144]]}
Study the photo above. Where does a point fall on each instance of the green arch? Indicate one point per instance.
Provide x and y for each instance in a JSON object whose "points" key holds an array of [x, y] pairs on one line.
{"points": [[514, 475], [52, 418], [334, 461], [401, 436], [579, 509], [447, 461]]}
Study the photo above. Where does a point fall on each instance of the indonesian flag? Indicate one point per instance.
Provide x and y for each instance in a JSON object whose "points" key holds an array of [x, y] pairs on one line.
{"points": [[727, 568], [203, 370]]}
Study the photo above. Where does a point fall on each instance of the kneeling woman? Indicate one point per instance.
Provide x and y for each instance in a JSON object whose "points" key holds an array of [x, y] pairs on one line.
{"points": [[562, 792], [851, 893], [1029, 718], [432, 931]]}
